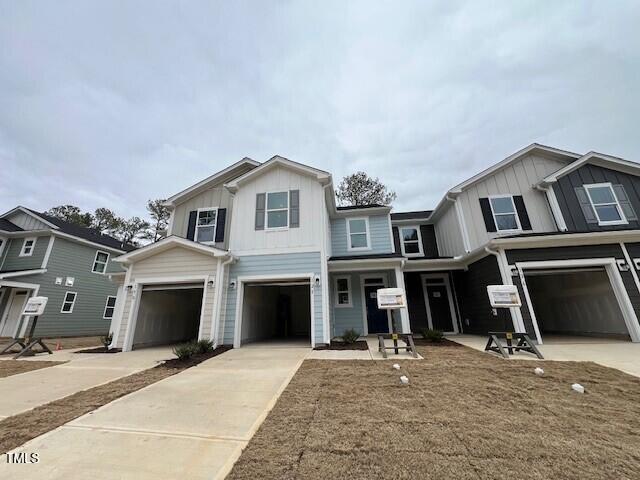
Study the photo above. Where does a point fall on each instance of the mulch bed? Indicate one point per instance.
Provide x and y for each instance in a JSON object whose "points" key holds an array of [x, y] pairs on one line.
{"points": [[13, 367], [100, 350], [339, 345], [465, 415], [18, 429], [442, 343]]}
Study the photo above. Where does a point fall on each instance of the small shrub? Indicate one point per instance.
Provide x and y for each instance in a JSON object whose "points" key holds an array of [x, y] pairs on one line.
{"points": [[350, 336], [435, 336], [204, 346], [185, 351], [106, 340]]}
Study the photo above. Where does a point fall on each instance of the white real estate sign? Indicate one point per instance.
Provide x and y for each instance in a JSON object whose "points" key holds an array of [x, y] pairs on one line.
{"points": [[503, 296], [35, 306], [391, 298]]}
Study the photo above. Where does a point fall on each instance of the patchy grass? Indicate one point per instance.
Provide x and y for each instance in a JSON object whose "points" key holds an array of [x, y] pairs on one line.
{"points": [[65, 343], [18, 429], [465, 414], [13, 367]]}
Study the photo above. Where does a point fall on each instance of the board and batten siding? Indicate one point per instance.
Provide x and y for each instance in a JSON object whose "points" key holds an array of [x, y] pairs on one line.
{"points": [[175, 262], [308, 236], [71, 259], [265, 265], [217, 197], [13, 260], [448, 234], [27, 222], [585, 175], [515, 179], [379, 235]]}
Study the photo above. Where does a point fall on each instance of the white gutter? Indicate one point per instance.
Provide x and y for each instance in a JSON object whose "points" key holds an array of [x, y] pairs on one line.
{"points": [[22, 273], [554, 205], [466, 242], [218, 306]]}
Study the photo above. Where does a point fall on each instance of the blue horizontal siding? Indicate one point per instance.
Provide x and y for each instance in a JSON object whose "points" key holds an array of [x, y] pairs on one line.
{"points": [[291, 263], [379, 234]]}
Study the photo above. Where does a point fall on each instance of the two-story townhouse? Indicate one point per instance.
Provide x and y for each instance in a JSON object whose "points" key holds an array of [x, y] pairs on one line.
{"points": [[560, 226], [45, 256]]}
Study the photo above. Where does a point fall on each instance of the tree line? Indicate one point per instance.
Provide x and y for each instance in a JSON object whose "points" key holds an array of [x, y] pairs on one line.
{"points": [[356, 189], [133, 230]]}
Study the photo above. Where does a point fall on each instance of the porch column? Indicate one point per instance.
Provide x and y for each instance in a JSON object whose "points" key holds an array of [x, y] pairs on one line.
{"points": [[404, 312]]}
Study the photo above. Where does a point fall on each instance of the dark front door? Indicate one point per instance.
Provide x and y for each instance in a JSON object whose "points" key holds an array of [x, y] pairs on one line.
{"points": [[440, 309], [377, 320]]}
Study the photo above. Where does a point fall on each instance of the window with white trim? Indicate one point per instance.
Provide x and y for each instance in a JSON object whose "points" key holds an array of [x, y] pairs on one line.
{"points": [[358, 233], [100, 262], [277, 210], [411, 241], [27, 247], [68, 302], [343, 291], [605, 203], [504, 213], [206, 225], [109, 307]]}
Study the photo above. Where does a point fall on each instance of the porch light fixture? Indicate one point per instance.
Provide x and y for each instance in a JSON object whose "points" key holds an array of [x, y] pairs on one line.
{"points": [[316, 280], [210, 283], [232, 284]]}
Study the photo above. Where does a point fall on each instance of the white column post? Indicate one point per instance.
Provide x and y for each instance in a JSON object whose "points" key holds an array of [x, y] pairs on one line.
{"points": [[404, 313]]}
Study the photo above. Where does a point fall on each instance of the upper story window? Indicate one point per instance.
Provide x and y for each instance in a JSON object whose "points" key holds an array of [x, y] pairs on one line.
{"points": [[504, 213], [277, 210], [358, 233], [27, 247], [69, 302], [605, 204], [206, 225], [100, 262], [343, 292], [411, 241]]}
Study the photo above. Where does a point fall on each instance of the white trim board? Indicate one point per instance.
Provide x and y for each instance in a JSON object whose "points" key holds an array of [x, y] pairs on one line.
{"points": [[615, 279]]}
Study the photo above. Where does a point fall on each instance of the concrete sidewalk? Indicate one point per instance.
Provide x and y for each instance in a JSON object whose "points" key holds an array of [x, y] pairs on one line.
{"points": [[25, 391], [192, 425], [619, 354]]}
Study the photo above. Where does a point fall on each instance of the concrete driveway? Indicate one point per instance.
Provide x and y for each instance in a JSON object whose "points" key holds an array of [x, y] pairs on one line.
{"points": [[623, 355], [27, 390], [192, 425]]}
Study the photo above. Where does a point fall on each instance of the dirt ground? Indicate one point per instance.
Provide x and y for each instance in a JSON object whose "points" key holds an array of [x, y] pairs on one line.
{"points": [[18, 429], [13, 367], [465, 414], [65, 343]]}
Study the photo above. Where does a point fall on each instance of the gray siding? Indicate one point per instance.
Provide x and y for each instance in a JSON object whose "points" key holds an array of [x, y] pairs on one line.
{"points": [[294, 263], [429, 243], [379, 234], [473, 301], [13, 260], [571, 253], [70, 259], [587, 174]]}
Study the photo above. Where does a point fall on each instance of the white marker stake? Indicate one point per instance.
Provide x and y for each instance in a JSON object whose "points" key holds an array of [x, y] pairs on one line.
{"points": [[396, 366], [538, 371], [404, 380], [576, 387]]}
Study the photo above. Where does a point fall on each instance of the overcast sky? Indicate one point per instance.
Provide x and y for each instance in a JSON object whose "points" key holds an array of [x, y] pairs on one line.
{"points": [[112, 103]]}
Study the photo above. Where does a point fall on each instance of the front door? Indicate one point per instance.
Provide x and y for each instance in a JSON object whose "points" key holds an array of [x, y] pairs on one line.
{"points": [[14, 309], [377, 320], [439, 304]]}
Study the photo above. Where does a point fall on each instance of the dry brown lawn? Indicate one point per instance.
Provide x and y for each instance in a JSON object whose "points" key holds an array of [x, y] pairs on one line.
{"points": [[466, 414], [13, 367], [65, 343]]}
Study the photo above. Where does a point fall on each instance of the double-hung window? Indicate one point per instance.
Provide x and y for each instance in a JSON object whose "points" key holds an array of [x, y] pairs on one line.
{"points": [[343, 292], [411, 241], [504, 213], [109, 307], [100, 262], [206, 225], [277, 210], [68, 302], [605, 204], [27, 247], [358, 233]]}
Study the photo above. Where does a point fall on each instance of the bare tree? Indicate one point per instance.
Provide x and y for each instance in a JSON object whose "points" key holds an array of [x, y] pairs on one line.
{"points": [[360, 189], [105, 220], [71, 214], [131, 230]]}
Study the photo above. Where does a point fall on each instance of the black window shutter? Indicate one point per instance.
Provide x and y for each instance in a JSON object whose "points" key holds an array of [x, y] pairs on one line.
{"points": [[191, 229], [525, 223], [625, 203], [220, 221], [294, 208], [396, 239], [487, 215], [260, 205], [585, 205]]}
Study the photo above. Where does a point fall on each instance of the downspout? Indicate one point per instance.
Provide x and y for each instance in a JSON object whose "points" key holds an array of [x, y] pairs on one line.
{"points": [[466, 242], [324, 273], [516, 315], [554, 206], [219, 297]]}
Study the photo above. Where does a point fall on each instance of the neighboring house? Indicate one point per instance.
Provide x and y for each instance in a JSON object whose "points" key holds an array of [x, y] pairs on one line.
{"points": [[258, 251], [45, 256]]}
